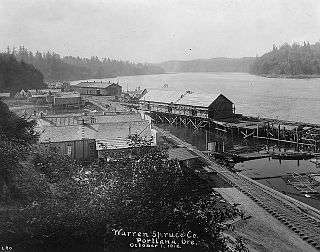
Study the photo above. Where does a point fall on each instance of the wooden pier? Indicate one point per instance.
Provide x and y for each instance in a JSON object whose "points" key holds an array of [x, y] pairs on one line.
{"points": [[217, 114], [300, 136]]}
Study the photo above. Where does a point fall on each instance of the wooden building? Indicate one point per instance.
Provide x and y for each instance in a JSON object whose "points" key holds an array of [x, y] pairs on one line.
{"points": [[183, 155], [22, 94], [76, 119], [87, 140], [39, 99], [98, 88], [67, 99], [5, 95], [64, 86], [75, 141], [188, 104]]}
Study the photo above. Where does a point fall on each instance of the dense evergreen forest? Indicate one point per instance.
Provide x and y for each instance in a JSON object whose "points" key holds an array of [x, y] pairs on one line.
{"points": [[16, 75], [209, 65], [289, 60], [55, 67]]}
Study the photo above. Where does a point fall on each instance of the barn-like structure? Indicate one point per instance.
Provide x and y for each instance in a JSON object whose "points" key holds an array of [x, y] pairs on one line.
{"points": [[214, 106], [186, 107], [98, 88]]}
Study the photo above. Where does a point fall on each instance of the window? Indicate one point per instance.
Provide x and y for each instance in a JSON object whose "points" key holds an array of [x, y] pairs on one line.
{"points": [[92, 149], [69, 150]]}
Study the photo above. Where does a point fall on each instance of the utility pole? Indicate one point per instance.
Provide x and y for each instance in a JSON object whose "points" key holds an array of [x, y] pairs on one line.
{"points": [[206, 140]]}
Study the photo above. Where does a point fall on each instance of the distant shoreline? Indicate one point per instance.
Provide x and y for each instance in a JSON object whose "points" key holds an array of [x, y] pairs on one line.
{"points": [[285, 76]]}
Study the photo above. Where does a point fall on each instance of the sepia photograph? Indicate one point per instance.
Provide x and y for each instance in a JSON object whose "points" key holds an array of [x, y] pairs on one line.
{"points": [[159, 125]]}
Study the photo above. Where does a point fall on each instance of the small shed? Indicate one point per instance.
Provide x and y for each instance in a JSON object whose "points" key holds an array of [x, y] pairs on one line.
{"points": [[185, 157]]}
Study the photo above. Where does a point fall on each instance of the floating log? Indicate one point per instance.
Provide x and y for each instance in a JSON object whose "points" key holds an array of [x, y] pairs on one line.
{"points": [[292, 155]]}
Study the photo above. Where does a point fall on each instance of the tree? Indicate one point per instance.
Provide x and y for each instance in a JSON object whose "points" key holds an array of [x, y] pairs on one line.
{"points": [[143, 192], [16, 137], [295, 59], [55, 67], [16, 75]]}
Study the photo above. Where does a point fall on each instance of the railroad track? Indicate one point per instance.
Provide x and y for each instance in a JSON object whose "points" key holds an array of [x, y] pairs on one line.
{"points": [[299, 217]]}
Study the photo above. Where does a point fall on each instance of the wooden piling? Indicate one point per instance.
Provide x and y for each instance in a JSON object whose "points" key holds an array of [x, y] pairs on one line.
{"points": [[279, 135]]}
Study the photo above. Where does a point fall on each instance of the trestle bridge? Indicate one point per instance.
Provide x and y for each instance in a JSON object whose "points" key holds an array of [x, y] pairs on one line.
{"points": [[300, 218], [217, 113]]}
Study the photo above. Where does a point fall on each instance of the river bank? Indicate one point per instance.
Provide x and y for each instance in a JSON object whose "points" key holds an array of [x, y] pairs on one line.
{"points": [[296, 76]]}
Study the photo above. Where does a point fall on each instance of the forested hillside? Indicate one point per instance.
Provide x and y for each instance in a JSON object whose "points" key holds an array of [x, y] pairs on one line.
{"points": [[289, 60], [209, 65], [16, 75], [55, 67]]}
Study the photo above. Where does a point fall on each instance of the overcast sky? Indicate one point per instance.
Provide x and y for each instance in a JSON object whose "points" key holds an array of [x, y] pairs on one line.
{"points": [[157, 30]]}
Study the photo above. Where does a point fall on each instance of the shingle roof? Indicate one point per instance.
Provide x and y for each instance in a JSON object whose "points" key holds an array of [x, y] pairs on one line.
{"points": [[39, 95], [181, 154], [67, 95], [74, 119], [65, 133], [112, 135], [4, 94], [118, 118], [179, 97], [95, 84], [115, 135], [51, 90]]}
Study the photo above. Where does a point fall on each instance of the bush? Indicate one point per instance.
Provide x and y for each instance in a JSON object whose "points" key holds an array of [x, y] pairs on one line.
{"points": [[143, 192]]}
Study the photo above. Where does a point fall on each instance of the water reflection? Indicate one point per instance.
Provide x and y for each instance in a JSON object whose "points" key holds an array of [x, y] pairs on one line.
{"points": [[267, 171]]}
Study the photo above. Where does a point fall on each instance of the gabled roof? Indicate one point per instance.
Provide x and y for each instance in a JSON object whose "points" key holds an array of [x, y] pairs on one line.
{"points": [[39, 95], [117, 118], [67, 95], [65, 133], [95, 84], [179, 97], [4, 94], [115, 135], [74, 119], [49, 90], [107, 135], [181, 154]]}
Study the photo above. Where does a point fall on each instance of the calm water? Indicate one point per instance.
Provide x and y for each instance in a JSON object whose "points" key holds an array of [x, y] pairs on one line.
{"points": [[268, 167], [261, 169], [288, 99]]}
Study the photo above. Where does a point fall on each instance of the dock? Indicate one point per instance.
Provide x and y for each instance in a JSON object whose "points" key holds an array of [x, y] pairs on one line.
{"points": [[299, 217], [216, 113], [303, 183], [241, 157]]}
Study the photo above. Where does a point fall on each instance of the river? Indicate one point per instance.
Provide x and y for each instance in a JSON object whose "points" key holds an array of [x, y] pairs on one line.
{"points": [[287, 99]]}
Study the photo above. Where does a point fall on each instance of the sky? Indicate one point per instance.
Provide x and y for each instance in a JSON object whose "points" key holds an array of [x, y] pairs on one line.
{"points": [[157, 30]]}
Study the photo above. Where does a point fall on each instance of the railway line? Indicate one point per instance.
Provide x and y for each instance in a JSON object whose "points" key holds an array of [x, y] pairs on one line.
{"points": [[302, 219]]}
